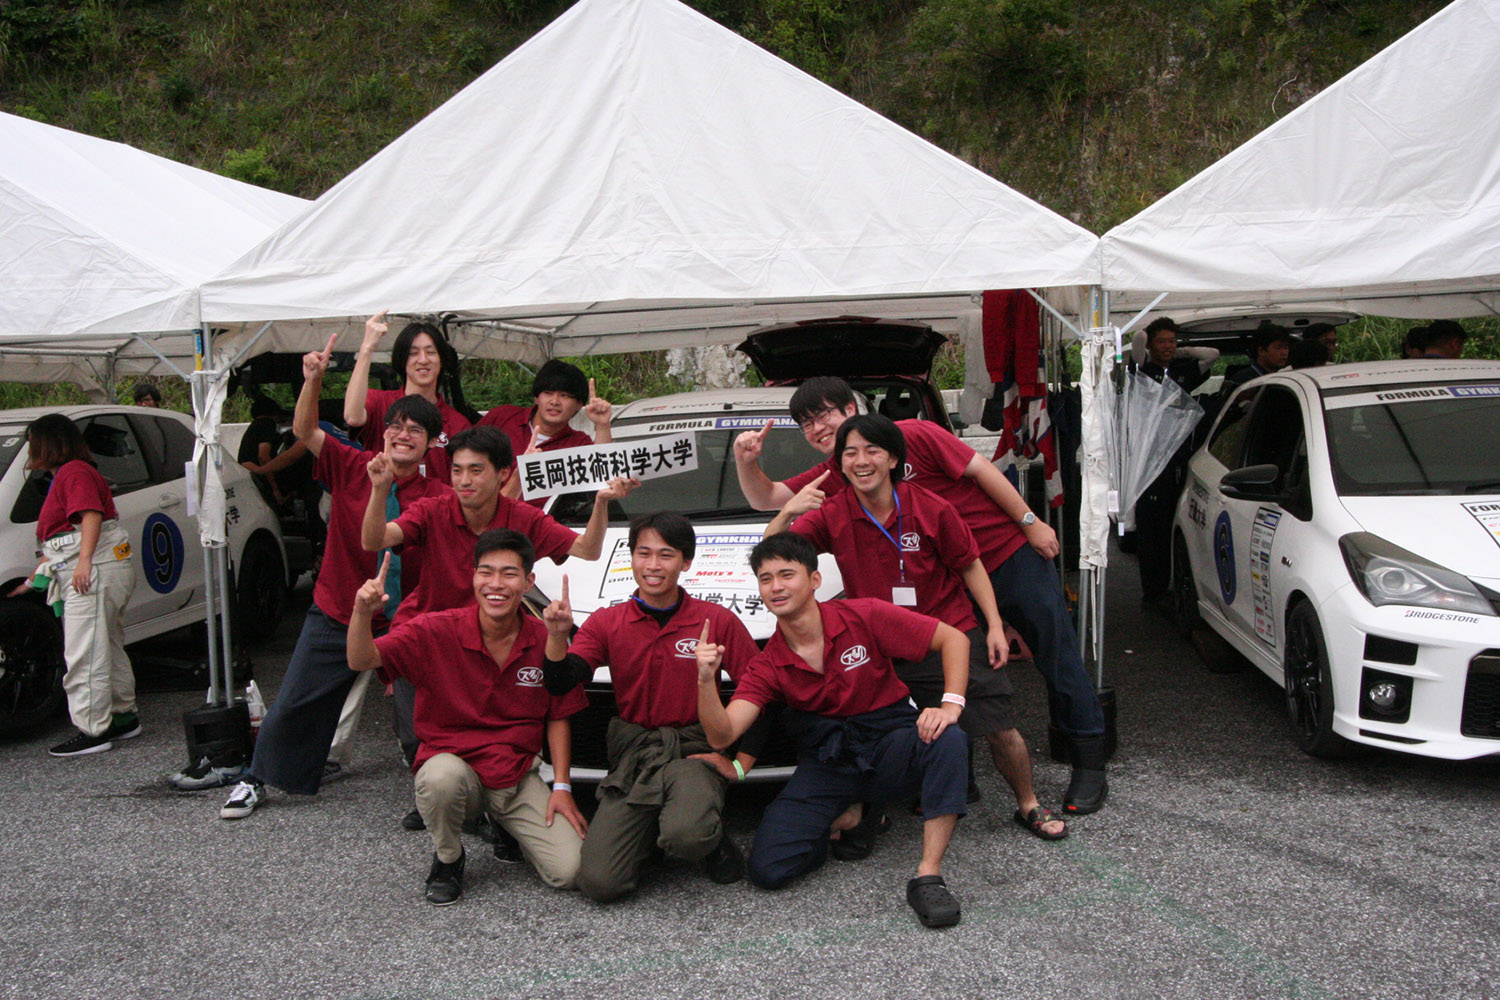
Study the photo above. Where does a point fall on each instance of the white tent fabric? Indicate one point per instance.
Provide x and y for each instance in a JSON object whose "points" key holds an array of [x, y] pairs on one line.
{"points": [[99, 240], [1380, 195], [636, 176]]}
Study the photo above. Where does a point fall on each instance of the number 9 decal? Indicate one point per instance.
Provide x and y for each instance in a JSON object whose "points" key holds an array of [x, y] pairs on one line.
{"points": [[163, 551]]}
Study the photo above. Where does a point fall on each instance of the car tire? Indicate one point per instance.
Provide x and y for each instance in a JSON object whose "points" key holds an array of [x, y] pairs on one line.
{"points": [[31, 667], [1184, 590], [1309, 685], [260, 591]]}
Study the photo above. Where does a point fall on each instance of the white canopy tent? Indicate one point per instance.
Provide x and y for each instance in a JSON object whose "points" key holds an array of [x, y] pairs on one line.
{"points": [[636, 177], [100, 241]]}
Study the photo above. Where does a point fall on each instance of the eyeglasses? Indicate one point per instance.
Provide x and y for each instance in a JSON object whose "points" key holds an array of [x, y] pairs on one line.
{"points": [[405, 430], [816, 417]]}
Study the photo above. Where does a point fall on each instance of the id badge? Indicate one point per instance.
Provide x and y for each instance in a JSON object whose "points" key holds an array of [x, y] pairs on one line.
{"points": [[905, 597]]}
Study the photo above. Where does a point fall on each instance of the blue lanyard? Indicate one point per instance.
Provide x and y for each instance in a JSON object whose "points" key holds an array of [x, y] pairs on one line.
{"points": [[900, 556]]}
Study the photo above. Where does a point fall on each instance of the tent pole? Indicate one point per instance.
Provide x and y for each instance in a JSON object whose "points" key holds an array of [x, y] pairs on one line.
{"points": [[216, 695]]}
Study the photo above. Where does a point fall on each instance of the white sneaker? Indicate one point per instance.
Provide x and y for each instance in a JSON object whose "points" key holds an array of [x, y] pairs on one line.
{"points": [[243, 800]]}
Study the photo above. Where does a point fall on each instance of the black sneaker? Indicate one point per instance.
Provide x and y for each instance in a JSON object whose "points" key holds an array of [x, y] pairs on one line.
{"points": [[725, 863], [125, 726], [332, 771], [413, 821], [507, 848], [81, 744], [445, 882]]}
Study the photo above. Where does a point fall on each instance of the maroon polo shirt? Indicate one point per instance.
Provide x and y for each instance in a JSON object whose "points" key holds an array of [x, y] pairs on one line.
{"points": [[860, 639], [76, 487], [492, 716], [372, 434], [935, 547], [935, 461], [515, 421], [654, 668], [346, 565], [436, 528]]}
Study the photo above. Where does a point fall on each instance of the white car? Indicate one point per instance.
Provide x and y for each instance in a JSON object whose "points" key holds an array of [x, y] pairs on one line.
{"points": [[1341, 529], [141, 452], [727, 529]]}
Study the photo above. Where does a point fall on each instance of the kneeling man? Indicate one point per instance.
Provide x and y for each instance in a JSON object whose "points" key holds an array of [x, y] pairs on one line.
{"points": [[481, 713], [666, 785], [859, 738]]}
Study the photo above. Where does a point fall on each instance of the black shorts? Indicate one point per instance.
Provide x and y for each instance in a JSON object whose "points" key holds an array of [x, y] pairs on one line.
{"points": [[989, 695]]}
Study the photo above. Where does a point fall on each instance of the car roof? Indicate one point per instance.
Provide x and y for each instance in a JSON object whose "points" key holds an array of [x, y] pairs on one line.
{"points": [[773, 399], [26, 414]]}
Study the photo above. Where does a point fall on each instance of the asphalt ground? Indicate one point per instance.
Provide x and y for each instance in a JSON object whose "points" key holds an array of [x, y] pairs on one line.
{"points": [[1225, 864]]}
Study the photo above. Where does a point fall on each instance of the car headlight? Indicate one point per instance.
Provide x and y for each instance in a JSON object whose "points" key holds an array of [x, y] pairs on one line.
{"points": [[1388, 574]]}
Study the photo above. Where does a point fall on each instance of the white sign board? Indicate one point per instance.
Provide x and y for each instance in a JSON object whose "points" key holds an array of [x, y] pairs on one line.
{"points": [[591, 467]]}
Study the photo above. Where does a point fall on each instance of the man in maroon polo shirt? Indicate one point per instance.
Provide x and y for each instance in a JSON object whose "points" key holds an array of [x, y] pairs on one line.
{"points": [[666, 784], [291, 750], [559, 391], [859, 738], [897, 542], [1014, 543], [444, 528], [482, 729]]}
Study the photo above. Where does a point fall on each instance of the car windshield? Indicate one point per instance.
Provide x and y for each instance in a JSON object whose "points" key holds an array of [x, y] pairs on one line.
{"points": [[710, 491], [1412, 440]]}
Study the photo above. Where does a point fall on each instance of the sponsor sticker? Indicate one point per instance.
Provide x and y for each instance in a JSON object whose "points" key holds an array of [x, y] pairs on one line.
{"points": [[1262, 536], [1441, 616], [1488, 516], [1416, 394], [751, 423], [1224, 556]]}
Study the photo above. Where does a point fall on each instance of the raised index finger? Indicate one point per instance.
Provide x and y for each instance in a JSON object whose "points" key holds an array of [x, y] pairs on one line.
{"points": [[704, 638], [767, 429], [592, 393], [825, 475], [385, 564], [565, 589], [332, 338]]}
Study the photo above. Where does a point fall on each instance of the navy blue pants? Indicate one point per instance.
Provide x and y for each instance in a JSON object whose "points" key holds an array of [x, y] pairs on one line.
{"points": [[298, 729], [1031, 601], [792, 839]]}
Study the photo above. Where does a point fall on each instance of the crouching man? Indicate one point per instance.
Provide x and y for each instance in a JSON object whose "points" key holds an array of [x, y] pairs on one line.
{"points": [[859, 738], [481, 730]]}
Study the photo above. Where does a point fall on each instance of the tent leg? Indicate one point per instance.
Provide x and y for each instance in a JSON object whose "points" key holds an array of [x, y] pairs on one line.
{"points": [[225, 633], [216, 694]]}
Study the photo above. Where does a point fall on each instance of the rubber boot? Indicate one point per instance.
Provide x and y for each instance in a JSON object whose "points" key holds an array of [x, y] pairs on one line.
{"points": [[1088, 788]]}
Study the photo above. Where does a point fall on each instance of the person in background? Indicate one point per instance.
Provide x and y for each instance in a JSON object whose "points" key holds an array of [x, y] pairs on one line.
{"points": [[428, 366], [87, 566], [146, 394], [1445, 339], [1326, 334], [1157, 354], [1307, 353], [558, 392], [1414, 344], [1271, 344]]}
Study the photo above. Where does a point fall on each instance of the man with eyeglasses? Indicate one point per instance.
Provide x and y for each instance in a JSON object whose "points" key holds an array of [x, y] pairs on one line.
{"points": [[1015, 546], [291, 750]]}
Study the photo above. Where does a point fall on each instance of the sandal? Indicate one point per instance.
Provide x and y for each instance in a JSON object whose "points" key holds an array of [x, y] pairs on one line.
{"points": [[935, 906], [1037, 819], [858, 842]]}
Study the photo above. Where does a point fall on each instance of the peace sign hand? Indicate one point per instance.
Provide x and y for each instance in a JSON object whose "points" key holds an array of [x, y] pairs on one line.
{"points": [[558, 616], [372, 597]]}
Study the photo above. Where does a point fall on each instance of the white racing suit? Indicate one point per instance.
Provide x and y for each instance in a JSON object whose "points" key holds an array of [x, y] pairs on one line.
{"points": [[99, 681]]}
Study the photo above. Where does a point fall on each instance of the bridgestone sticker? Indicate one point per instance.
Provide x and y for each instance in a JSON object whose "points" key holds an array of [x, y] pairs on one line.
{"points": [[569, 470], [1488, 515], [1262, 536]]}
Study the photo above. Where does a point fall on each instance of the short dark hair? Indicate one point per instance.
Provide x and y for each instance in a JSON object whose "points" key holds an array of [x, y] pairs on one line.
{"points": [[1443, 330], [54, 440], [1315, 331], [146, 390], [418, 410], [819, 392], [1159, 324], [264, 406], [1269, 333], [401, 349], [786, 545], [505, 540], [559, 376], [490, 442], [674, 529], [880, 431], [1307, 353], [1415, 339]]}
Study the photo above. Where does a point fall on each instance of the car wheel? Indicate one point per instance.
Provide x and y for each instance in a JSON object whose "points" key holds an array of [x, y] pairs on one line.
{"points": [[1184, 590], [31, 667], [260, 591], [1309, 685]]}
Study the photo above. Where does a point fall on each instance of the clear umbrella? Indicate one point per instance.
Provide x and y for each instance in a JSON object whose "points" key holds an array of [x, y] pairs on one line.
{"points": [[1149, 421]]}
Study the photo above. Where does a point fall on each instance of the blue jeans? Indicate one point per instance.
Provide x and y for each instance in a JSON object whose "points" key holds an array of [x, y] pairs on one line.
{"points": [[297, 731], [1030, 599]]}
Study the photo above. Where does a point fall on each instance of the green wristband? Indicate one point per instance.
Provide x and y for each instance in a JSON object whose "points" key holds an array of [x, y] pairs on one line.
{"points": [[739, 769]]}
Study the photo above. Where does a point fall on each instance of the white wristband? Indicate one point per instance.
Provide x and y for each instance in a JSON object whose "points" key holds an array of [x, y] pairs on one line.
{"points": [[955, 699], [561, 786]]}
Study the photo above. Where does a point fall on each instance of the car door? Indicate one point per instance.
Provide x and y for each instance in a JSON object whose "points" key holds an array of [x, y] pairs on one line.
{"points": [[1264, 532], [1208, 526], [152, 511]]}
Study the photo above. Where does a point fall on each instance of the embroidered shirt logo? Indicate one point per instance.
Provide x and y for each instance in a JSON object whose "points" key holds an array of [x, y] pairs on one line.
{"points": [[854, 656], [529, 677], [911, 542], [687, 647]]}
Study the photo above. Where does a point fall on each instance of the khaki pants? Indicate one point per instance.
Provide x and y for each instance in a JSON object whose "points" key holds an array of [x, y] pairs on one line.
{"points": [[354, 703], [99, 681], [687, 825], [450, 793]]}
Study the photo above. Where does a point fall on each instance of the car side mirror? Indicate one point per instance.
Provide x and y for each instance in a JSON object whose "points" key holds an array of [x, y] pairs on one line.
{"points": [[1256, 483]]}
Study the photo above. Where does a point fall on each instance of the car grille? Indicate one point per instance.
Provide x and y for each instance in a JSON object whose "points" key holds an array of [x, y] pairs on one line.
{"points": [[1481, 718], [591, 724]]}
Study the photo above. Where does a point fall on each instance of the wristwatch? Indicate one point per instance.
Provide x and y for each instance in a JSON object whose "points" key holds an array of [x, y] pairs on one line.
{"points": [[1028, 519]]}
